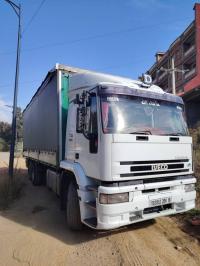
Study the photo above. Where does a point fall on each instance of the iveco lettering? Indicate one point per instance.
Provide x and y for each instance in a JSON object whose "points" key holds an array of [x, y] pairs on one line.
{"points": [[161, 166]]}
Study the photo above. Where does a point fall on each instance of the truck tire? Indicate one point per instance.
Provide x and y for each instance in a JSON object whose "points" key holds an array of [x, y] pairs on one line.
{"points": [[73, 208], [30, 169], [35, 175]]}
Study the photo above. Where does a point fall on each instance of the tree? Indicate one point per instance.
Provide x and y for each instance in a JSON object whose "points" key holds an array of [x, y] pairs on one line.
{"points": [[3, 145], [19, 130], [6, 132]]}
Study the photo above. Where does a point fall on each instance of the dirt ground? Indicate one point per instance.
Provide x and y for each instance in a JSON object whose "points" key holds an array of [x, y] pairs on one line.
{"points": [[33, 232], [4, 161]]}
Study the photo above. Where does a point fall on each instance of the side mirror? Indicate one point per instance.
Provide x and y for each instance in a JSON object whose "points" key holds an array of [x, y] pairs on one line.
{"points": [[82, 121], [77, 100], [79, 121], [83, 99]]}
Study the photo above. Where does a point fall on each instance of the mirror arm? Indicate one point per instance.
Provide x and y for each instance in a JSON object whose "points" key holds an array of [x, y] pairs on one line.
{"points": [[86, 135]]}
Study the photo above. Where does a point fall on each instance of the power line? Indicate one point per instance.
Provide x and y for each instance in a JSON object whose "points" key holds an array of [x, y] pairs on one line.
{"points": [[33, 16], [98, 36]]}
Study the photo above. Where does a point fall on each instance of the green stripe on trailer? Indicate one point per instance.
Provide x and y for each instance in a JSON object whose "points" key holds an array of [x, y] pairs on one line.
{"points": [[64, 108]]}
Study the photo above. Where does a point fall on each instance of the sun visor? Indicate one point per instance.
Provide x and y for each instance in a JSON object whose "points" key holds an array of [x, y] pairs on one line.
{"points": [[144, 93]]}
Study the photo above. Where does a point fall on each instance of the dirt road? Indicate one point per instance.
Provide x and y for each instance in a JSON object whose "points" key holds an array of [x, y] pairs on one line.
{"points": [[4, 161], [4, 158], [33, 232]]}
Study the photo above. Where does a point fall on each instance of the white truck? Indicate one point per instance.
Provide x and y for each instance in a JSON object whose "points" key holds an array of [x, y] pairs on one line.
{"points": [[116, 151]]}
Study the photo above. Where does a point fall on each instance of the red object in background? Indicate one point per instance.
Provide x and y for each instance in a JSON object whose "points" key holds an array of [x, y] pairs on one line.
{"points": [[195, 221]]}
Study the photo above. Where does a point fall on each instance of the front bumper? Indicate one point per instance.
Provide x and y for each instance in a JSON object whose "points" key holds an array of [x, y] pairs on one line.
{"points": [[110, 216]]}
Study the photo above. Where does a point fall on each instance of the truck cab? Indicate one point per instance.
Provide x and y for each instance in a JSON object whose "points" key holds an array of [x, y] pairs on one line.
{"points": [[132, 143]]}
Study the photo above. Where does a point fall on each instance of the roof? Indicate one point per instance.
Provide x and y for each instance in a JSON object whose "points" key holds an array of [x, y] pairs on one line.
{"points": [[82, 78], [91, 79]]}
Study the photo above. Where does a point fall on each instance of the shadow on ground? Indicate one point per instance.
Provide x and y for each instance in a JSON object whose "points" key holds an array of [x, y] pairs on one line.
{"points": [[38, 208]]}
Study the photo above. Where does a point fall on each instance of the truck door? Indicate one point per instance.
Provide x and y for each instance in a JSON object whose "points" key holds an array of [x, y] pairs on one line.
{"points": [[87, 147]]}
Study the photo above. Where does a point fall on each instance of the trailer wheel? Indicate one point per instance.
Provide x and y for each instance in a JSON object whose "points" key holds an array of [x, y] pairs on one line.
{"points": [[73, 208], [30, 170], [35, 175]]}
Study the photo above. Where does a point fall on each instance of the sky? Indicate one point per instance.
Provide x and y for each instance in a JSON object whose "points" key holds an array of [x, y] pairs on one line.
{"points": [[119, 37]]}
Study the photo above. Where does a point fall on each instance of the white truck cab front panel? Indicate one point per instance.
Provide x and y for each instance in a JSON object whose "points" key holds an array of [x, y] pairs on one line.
{"points": [[140, 157]]}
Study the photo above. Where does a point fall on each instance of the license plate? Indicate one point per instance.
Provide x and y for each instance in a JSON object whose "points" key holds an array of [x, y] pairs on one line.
{"points": [[160, 201]]}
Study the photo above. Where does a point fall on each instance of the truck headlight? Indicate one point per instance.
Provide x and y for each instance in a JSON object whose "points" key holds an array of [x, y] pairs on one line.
{"points": [[189, 187], [113, 198]]}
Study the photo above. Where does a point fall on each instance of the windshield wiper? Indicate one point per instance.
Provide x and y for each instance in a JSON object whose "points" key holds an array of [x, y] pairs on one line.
{"points": [[130, 130], [142, 132], [174, 134]]}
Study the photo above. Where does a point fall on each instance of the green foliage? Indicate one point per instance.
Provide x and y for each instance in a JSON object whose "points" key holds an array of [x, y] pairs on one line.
{"points": [[195, 133], [6, 132], [193, 213], [19, 130], [3, 145]]}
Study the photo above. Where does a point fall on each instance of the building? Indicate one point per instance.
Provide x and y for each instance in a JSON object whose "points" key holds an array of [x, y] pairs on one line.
{"points": [[184, 53]]}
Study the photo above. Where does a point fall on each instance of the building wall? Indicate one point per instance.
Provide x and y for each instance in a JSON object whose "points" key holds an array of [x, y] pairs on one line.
{"points": [[195, 82], [186, 53]]}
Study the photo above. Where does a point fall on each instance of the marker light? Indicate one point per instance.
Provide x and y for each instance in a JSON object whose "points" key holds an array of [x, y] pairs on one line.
{"points": [[189, 187]]}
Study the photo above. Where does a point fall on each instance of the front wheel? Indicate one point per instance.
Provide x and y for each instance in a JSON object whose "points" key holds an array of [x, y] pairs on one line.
{"points": [[73, 208]]}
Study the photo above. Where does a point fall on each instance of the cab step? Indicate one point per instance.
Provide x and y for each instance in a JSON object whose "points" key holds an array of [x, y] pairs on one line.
{"points": [[92, 222]]}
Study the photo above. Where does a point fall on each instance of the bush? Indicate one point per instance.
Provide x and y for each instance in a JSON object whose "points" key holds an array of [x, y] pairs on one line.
{"points": [[9, 190], [195, 133], [3, 145]]}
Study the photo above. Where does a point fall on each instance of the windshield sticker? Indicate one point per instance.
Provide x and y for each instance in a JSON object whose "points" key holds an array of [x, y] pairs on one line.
{"points": [[149, 102], [112, 99]]}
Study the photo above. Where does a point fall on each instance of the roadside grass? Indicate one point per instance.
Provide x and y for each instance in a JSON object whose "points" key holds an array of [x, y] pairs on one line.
{"points": [[10, 190]]}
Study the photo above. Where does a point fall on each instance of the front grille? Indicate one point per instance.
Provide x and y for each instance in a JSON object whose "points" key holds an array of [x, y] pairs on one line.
{"points": [[152, 190], [163, 179], [154, 173], [148, 167], [153, 162], [157, 209], [156, 167]]}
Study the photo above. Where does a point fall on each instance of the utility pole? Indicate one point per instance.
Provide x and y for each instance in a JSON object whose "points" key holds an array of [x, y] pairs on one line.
{"points": [[17, 10], [172, 71]]}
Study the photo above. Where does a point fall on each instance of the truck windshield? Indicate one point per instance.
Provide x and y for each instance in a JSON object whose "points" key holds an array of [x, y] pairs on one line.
{"points": [[136, 115]]}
